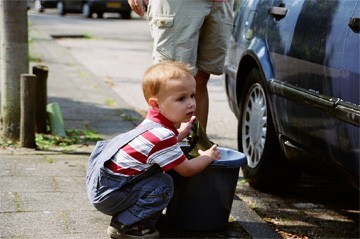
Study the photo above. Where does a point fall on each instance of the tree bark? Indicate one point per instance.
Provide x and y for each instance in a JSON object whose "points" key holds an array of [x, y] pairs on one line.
{"points": [[13, 62]]}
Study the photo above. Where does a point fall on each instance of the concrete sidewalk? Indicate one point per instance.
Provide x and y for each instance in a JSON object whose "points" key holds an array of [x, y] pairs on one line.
{"points": [[42, 193]]}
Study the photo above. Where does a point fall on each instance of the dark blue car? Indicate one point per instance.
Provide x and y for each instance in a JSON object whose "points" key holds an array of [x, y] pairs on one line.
{"points": [[98, 7], [292, 79]]}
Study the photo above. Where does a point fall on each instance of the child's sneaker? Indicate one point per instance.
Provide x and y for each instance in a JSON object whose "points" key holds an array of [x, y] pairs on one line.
{"points": [[116, 231]]}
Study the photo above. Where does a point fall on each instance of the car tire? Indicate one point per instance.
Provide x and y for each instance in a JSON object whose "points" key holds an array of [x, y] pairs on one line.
{"points": [[86, 11], [126, 15], [38, 7], [60, 8], [267, 169]]}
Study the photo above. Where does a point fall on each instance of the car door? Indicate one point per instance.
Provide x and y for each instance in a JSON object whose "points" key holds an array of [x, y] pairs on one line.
{"points": [[74, 5], [348, 108], [309, 45]]}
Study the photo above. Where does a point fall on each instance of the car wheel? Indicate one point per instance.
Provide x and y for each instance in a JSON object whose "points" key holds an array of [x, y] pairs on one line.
{"points": [[38, 7], [267, 168], [60, 8], [86, 11]]}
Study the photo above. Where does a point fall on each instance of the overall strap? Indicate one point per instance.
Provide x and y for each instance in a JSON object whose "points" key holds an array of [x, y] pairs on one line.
{"points": [[116, 143]]}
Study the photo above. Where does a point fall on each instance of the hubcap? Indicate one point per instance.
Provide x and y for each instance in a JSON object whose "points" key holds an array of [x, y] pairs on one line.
{"points": [[60, 8], [86, 10], [254, 125]]}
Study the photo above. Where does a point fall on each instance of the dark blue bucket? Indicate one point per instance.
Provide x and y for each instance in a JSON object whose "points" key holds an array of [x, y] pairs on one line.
{"points": [[203, 202]]}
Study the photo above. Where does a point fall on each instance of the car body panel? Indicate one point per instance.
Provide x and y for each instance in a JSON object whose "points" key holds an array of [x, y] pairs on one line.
{"points": [[40, 5], [309, 55], [111, 6], [48, 3]]}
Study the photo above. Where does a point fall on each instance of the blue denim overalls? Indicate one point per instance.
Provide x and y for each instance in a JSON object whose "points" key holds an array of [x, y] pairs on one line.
{"points": [[130, 199]]}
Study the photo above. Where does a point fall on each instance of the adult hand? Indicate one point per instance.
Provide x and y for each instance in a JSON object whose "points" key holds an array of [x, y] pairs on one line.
{"points": [[138, 6]]}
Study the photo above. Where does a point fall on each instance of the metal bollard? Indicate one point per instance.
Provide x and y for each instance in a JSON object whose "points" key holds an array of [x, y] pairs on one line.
{"points": [[56, 120]]}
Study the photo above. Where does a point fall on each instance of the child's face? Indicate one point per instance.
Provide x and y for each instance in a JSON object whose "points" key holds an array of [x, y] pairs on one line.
{"points": [[176, 100]]}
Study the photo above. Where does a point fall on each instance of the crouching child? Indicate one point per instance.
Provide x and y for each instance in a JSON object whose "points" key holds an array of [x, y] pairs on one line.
{"points": [[125, 176]]}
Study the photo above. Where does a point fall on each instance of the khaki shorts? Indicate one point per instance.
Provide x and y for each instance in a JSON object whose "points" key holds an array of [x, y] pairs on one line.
{"points": [[192, 31]]}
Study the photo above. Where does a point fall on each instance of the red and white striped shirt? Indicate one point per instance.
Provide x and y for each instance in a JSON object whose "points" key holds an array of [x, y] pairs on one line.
{"points": [[156, 146]]}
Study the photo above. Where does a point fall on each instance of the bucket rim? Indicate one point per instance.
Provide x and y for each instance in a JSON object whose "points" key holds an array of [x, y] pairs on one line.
{"points": [[230, 159]]}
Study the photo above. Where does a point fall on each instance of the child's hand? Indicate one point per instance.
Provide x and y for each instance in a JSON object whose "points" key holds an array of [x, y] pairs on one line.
{"points": [[213, 153], [184, 129]]}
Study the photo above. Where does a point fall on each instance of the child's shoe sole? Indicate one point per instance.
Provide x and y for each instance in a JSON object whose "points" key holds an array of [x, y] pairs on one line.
{"points": [[113, 233]]}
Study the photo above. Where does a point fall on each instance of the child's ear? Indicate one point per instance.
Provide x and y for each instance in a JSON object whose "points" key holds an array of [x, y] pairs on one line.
{"points": [[153, 102]]}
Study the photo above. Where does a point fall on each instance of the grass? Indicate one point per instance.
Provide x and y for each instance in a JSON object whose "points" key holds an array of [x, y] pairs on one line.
{"points": [[73, 137], [48, 141]]}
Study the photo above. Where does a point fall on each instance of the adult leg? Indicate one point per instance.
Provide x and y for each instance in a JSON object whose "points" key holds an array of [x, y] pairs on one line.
{"points": [[202, 97], [213, 41], [174, 27]]}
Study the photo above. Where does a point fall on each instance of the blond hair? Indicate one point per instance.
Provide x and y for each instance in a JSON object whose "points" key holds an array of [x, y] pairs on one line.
{"points": [[158, 74]]}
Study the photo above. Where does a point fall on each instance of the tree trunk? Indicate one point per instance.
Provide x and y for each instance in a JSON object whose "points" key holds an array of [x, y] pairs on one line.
{"points": [[14, 62]]}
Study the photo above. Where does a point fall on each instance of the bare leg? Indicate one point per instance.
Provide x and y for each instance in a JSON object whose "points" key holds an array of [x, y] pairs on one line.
{"points": [[202, 97]]}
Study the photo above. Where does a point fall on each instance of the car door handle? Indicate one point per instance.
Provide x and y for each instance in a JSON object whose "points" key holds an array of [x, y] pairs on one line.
{"points": [[354, 24], [278, 12]]}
